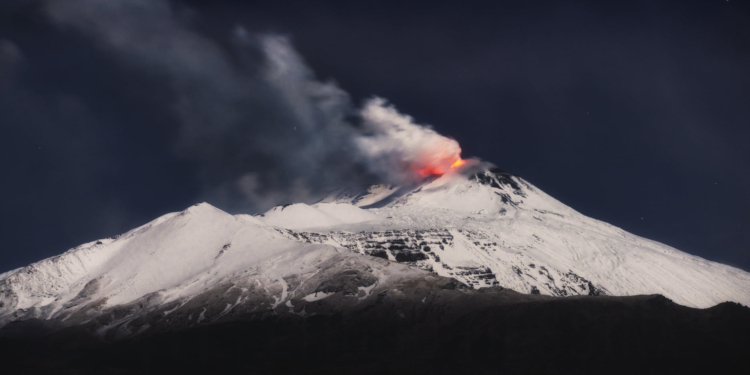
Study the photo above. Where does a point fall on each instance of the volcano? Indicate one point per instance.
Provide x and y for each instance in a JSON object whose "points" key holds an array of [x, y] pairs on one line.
{"points": [[475, 263]]}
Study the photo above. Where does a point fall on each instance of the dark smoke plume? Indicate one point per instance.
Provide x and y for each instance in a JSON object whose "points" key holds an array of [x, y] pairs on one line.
{"points": [[248, 111]]}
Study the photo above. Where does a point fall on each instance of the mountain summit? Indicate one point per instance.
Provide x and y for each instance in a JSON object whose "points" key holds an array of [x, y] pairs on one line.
{"points": [[485, 226], [478, 225]]}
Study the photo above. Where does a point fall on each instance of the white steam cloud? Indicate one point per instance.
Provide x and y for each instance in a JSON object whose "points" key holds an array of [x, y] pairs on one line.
{"points": [[397, 147]]}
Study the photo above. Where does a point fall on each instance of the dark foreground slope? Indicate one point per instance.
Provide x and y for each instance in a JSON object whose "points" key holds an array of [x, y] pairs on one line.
{"points": [[460, 331]]}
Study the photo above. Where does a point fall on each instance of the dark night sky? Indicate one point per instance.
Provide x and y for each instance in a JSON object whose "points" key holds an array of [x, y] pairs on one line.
{"points": [[635, 113]]}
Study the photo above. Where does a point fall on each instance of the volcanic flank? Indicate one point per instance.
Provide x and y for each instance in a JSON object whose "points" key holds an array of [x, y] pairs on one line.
{"points": [[375, 247], [412, 264]]}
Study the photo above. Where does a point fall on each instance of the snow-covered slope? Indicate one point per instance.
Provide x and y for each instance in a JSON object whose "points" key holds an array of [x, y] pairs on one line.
{"points": [[320, 215], [478, 224], [174, 260], [487, 227]]}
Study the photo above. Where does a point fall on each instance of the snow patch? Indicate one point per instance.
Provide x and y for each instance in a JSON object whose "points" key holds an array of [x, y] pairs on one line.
{"points": [[317, 296]]}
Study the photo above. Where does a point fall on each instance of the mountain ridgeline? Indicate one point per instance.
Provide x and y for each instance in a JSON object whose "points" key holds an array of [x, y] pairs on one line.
{"points": [[476, 270]]}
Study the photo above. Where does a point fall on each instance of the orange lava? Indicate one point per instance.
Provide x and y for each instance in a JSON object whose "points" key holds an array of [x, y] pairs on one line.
{"points": [[459, 162], [438, 169]]}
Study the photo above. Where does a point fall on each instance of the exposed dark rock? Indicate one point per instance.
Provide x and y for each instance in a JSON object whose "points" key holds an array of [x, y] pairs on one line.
{"points": [[347, 282], [593, 291], [379, 254], [409, 256]]}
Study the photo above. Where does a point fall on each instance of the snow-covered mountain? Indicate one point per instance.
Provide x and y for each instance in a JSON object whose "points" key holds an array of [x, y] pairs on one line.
{"points": [[484, 226], [478, 224]]}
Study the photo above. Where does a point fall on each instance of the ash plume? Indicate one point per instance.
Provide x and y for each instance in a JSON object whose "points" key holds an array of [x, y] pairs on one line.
{"points": [[395, 146], [247, 109]]}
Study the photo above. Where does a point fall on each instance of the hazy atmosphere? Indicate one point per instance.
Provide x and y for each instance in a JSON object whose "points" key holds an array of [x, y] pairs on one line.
{"points": [[116, 112]]}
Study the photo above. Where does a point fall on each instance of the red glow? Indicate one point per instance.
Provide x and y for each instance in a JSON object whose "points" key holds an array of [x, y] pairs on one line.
{"points": [[439, 168]]}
